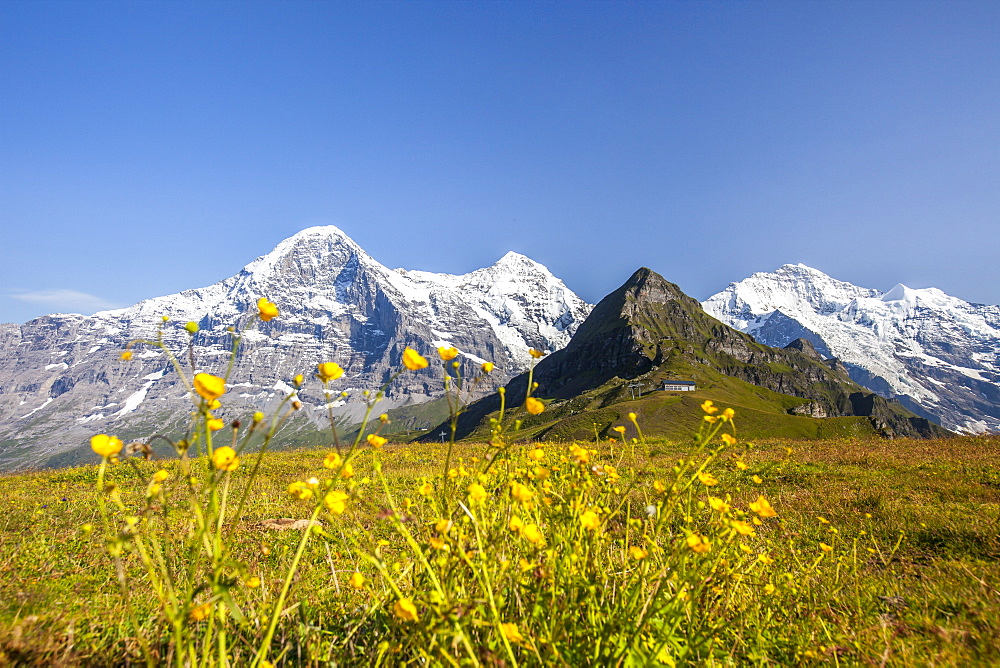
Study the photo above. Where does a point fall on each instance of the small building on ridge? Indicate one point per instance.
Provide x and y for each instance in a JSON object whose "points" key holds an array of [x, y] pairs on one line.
{"points": [[679, 386]]}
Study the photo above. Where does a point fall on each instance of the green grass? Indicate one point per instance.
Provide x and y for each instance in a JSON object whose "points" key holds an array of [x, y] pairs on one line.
{"points": [[932, 601]]}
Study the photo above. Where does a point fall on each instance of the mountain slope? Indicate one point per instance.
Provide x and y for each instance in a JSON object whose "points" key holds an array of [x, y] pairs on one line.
{"points": [[937, 354], [648, 331], [61, 379]]}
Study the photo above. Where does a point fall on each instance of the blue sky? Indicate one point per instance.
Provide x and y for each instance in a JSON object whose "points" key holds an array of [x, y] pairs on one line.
{"points": [[149, 147]]}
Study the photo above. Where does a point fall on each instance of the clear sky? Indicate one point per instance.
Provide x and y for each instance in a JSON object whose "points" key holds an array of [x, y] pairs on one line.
{"points": [[149, 147]]}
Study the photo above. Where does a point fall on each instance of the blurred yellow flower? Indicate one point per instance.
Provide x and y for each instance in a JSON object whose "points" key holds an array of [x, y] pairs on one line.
{"points": [[743, 528], [510, 632], [515, 524], [266, 310], [698, 543], [214, 424], [537, 454], [728, 414], [329, 371], [487, 367], [225, 458], [742, 465], [659, 486], [825, 547], [757, 479], [201, 612], [208, 386], [252, 582], [405, 610], [718, 505], [532, 534], [347, 470], [535, 353], [707, 478], [336, 502], [357, 580], [425, 489], [533, 406], [300, 490], [728, 440], [332, 461], [161, 475], [447, 354], [106, 446], [763, 507], [521, 492], [769, 589], [376, 441], [620, 429], [637, 552], [477, 492], [126, 355], [708, 407], [590, 520], [443, 526], [413, 360]]}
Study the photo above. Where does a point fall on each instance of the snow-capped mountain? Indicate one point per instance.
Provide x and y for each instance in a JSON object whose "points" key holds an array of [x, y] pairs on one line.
{"points": [[61, 379], [937, 354]]}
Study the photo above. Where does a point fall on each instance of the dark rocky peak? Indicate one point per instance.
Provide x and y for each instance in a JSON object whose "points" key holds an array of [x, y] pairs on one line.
{"points": [[805, 347]]}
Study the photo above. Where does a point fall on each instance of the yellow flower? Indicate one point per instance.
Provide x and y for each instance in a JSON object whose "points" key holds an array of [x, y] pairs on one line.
{"points": [[300, 490], [742, 465], [536, 454], [357, 580], [477, 492], [521, 492], [329, 371], [763, 507], [743, 528], [161, 475], [698, 543], [209, 386], [728, 440], [637, 552], [708, 407], [532, 534], [225, 458], [346, 471], [266, 310], [757, 479], [214, 424], [765, 559], [718, 505], [620, 429], [823, 520], [707, 479], [590, 520], [709, 418], [437, 543], [487, 367], [332, 461], [413, 361], [443, 526], [632, 416], [106, 446], [425, 489], [126, 355], [535, 353], [510, 632], [825, 547], [200, 613], [533, 406], [447, 354], [515, 523], [769, 589], [659, 486], [405, 610], [336, 502], [252, 582], [728, 414], [258, 417], [376, 441]]}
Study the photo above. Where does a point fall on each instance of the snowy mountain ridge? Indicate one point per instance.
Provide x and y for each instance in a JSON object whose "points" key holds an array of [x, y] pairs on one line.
{"points": [[61, 379], [938, 354]]}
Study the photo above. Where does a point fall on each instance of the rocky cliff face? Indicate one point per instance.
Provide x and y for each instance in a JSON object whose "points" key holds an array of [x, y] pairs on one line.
{"points": [[647, 324], [61, 379], [938, 355]]}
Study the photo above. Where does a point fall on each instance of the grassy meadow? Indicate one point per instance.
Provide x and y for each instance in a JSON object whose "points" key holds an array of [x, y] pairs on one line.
{"points": [[880, 553]]}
